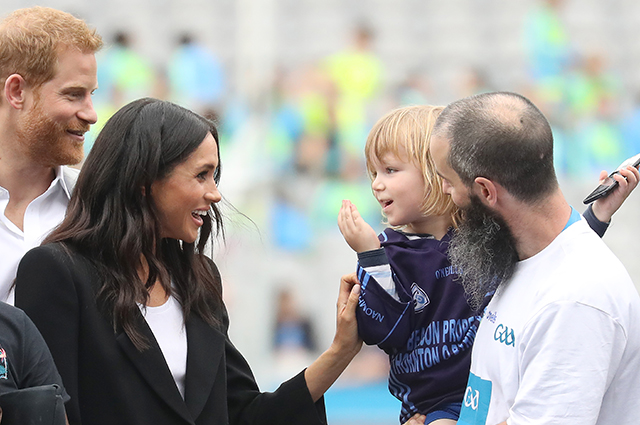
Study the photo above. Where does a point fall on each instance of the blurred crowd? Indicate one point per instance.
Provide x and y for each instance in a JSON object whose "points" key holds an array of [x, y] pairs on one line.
{"points": [[596, 123], [312, 126]]}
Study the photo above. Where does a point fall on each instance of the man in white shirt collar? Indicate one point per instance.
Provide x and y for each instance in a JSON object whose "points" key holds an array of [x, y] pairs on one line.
{"points": [[47, 75]]}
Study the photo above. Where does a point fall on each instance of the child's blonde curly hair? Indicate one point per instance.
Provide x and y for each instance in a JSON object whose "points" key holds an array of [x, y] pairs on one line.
{"points": [[409, 128]]}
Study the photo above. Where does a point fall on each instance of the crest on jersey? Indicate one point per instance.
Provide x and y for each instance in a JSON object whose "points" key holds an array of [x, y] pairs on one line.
{"points": [[420, 298]]}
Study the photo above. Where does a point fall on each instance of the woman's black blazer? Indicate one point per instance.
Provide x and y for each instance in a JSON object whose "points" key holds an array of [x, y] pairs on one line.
{"points": [[111, 382]]}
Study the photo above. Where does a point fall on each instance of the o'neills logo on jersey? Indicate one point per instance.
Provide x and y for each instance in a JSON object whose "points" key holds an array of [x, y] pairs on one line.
{"points": [[504, 335], [447, 271], [420, 298]]}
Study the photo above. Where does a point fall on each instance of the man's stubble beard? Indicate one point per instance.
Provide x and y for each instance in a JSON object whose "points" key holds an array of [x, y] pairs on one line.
{"points": [[483, 250], [46, 141]]}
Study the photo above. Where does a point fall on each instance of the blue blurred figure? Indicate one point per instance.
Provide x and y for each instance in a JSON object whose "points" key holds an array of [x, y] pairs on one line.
{"points": [[196, 76], [546, 41]]}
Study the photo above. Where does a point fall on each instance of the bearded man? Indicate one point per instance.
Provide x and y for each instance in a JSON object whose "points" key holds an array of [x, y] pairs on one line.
{"points": [[559, 342], [47, 76]]}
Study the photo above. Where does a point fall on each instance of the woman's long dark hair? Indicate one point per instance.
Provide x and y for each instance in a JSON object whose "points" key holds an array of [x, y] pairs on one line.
{"points": [[111, 221]]}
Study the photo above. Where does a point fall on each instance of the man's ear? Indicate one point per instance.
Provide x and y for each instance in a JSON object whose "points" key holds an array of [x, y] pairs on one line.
{"points": [[486, 190], [15, 90]]}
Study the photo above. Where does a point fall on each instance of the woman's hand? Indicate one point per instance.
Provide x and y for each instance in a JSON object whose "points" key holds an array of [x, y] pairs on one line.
{"points": [[357, 232], [346, 340], [323, 372], [604, 208]]}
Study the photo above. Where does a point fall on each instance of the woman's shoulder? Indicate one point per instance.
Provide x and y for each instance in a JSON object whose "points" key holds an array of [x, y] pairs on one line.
{"points": [[55, 257], [54, 251], [55, 273], [212, 268], [215, 300]]}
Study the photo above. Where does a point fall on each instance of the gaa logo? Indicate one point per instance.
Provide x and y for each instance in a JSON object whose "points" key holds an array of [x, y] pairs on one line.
{"points": [[471, 398], [505, 335]]}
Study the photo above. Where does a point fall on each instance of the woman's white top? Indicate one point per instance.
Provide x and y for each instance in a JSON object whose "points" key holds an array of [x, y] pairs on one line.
{"points": [[167, 324]]}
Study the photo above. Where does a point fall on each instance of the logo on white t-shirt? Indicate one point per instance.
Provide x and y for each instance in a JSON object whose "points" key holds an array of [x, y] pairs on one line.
{"points": [[475, 405], [471, 398], [504, 335]]}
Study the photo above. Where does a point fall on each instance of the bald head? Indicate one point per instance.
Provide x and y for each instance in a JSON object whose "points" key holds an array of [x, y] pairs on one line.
{"points": [[502, 137]]}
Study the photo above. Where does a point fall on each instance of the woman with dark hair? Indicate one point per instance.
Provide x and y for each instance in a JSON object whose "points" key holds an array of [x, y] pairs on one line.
{"points": [[130, 306]]}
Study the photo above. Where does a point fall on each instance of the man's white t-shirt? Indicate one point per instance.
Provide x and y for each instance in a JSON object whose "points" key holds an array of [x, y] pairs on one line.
{"points": [[42, 215], [560, 344]]}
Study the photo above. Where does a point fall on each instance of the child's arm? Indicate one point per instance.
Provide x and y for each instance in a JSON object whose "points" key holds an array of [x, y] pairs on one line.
{"points": [[376, 264], [383, 318], [357, 232], [627, 180]]}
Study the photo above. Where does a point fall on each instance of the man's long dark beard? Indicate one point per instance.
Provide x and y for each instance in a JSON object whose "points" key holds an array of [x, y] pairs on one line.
{"points": [[484, 252]]}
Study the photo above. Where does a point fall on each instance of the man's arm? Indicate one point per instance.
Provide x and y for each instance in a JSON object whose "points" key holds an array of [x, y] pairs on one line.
{"points": [[604, 208]]}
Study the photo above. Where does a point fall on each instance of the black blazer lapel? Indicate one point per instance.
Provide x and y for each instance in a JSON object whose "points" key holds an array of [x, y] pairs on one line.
{"points": [[153, 367], [205, 351]]}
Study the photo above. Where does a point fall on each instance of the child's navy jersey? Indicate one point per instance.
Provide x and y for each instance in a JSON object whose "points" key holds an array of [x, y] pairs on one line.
{"points": [[419, 316]]}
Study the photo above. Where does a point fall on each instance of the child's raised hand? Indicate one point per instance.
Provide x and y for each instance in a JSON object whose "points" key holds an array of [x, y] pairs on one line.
{"points": [[357, 232], [604, 208]]}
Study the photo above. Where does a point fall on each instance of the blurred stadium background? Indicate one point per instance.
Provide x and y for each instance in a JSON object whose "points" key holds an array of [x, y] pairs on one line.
{"points": [[295, 86]]}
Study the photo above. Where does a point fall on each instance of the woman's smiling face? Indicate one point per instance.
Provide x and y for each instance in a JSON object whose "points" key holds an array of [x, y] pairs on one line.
{"points": [[186, 194]]}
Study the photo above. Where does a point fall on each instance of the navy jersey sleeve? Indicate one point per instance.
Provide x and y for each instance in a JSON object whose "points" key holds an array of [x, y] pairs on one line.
{"points": [[383, 319]]}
